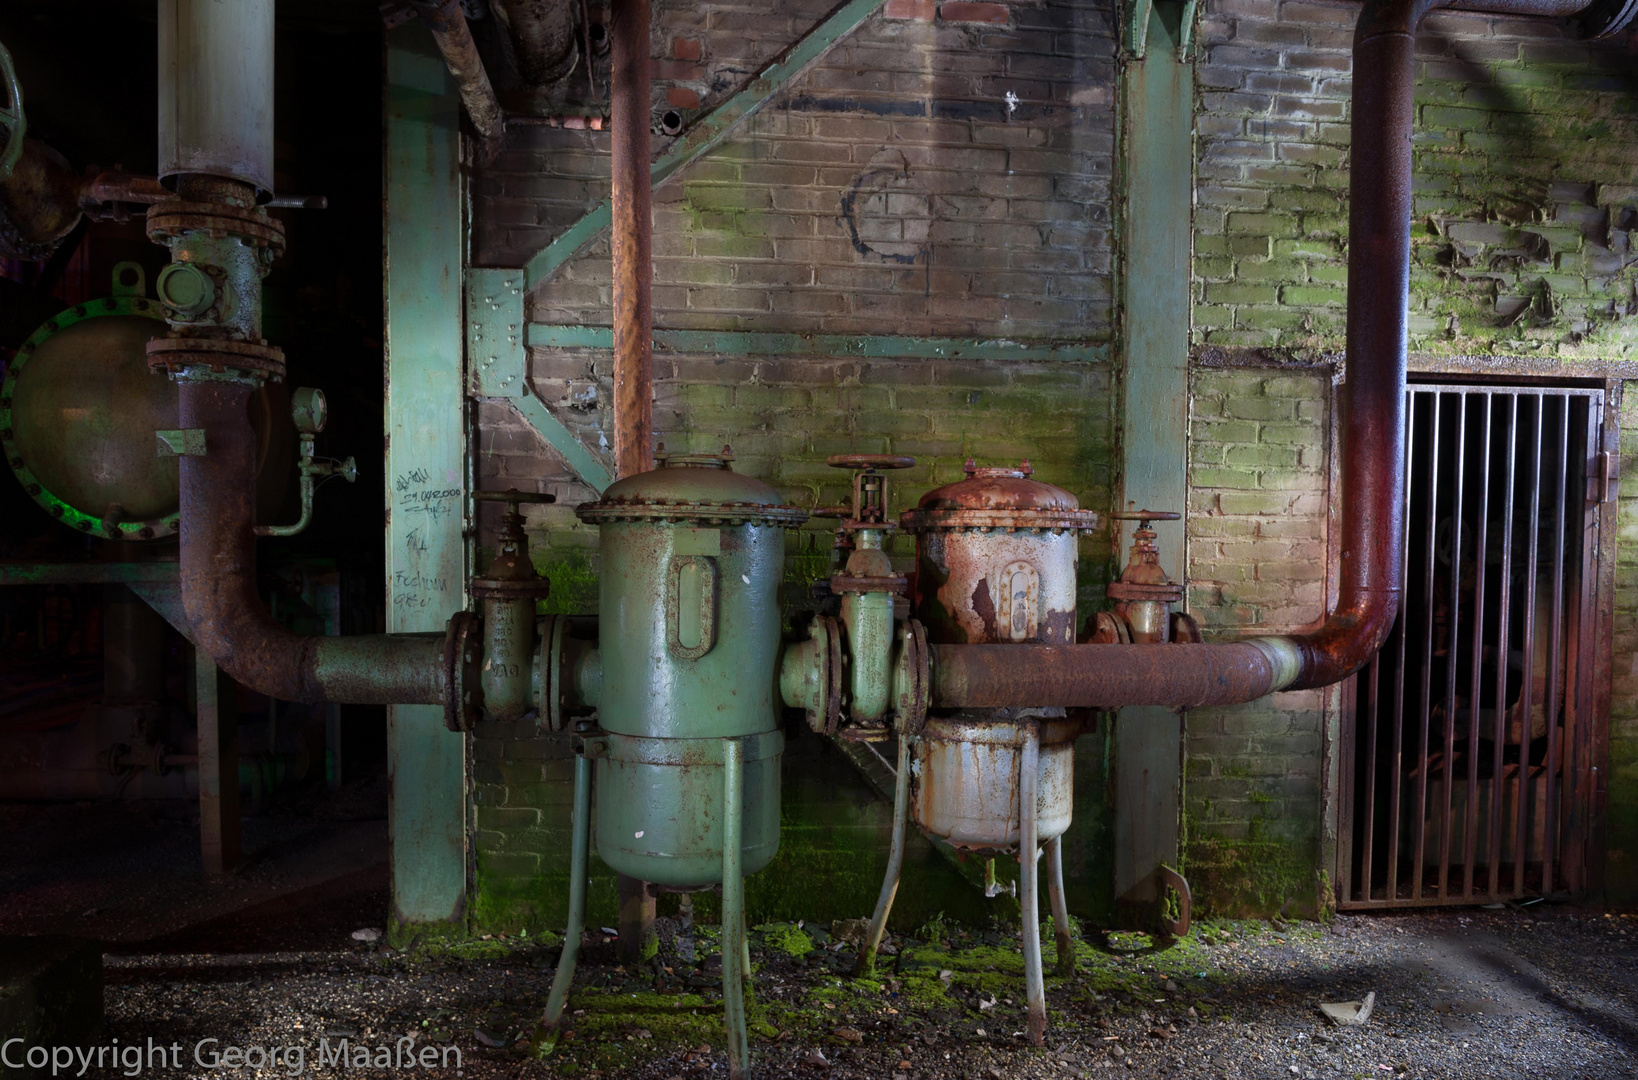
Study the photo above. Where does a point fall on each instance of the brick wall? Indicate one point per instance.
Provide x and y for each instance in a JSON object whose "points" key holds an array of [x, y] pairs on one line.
{"points": [[1525, 201], [1256, 561], [943, 173]]}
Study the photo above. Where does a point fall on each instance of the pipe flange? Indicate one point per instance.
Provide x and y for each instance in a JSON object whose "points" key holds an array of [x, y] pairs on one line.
{"points": [[549, 710], [841, 584], [108, 523], [827, 719], [500, 589], [175, 218], [917, 675], [252, 360], [463, 671], [682, 511], [1057, 521]]}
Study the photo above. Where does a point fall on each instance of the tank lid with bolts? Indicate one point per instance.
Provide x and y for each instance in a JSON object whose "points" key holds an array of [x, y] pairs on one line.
{"points": [[999, 497], [693, 489]]}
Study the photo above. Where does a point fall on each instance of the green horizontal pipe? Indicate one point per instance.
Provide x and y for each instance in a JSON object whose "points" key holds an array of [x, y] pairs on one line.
{"points": [[751, 343], [41, 573], [710, 131]]}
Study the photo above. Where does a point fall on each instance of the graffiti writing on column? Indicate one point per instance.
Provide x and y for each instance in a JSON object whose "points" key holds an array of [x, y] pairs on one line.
{"points": [[421, 503]]}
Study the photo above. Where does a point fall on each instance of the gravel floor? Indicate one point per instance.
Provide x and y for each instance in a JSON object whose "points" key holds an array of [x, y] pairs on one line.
{"points": [[1541, 992]]}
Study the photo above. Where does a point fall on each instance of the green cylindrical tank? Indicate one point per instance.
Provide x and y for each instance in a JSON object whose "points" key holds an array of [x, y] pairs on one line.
{"points": [[689, 632]]}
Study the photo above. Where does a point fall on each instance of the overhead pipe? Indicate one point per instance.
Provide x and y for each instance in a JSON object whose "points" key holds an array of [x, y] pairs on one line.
{"points": [[454, 38], [633, 240], [1373, 433], [543, 37]]}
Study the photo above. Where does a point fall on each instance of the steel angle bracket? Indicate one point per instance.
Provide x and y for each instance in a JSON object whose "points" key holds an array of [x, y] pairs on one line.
{"points": [[498, 365], [1135, 28]]}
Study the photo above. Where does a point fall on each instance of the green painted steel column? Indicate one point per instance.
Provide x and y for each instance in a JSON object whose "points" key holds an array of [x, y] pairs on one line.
{"points": [[425, 470], [1156, 299]]}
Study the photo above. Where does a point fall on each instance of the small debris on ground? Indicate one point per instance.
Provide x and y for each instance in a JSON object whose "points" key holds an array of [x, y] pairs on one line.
{"points": [[1350, 1013]]}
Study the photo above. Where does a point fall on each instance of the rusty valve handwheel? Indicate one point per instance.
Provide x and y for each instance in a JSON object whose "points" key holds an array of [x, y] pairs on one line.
{"points": [[869, 461], [1146, 515], [11, 116]]}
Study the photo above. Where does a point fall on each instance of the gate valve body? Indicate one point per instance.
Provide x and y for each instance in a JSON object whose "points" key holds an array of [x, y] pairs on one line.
{"points": [[1144, 595], [867, 585], [857, 660], [507, 592]]}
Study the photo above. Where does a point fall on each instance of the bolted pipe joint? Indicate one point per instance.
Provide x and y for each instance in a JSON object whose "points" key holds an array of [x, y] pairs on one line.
{"points": [[567, 676]]}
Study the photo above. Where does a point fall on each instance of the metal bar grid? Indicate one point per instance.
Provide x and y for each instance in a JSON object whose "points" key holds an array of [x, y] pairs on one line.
{"points": [[1467, 769]]}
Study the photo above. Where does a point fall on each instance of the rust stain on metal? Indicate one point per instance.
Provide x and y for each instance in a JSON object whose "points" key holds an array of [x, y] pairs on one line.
{"points": [[1097, 676]]}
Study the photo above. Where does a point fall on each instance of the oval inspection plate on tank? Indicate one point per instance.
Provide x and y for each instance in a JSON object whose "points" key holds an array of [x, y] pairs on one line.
{"points": [[78, 412]]}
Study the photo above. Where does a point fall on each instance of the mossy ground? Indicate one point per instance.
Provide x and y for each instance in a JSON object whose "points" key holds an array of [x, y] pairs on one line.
{"points": [[947, 982]]}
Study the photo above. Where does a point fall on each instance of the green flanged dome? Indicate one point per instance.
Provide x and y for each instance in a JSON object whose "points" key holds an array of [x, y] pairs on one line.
{"points": [[693, 488]]}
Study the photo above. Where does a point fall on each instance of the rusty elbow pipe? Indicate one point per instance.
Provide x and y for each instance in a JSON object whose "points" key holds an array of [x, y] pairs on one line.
{"points": [[1373, 399], [218, 574], [1373, 433]]}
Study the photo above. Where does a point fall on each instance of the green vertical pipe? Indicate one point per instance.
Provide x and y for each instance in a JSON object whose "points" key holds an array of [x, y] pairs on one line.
{"points": [[1156, 298], [425, 470], [733, 910], [1029, 782], [895, 863], [1060, 906], [579, 847]]}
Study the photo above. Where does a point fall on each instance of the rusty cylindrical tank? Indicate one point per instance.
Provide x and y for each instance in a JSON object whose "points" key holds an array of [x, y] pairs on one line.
{"points": [[689, 631], [995, 564]]}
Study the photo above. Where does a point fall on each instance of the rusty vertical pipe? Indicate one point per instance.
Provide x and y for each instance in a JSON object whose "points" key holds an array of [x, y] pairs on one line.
{"points": [[1373, 394], [633, 241]]}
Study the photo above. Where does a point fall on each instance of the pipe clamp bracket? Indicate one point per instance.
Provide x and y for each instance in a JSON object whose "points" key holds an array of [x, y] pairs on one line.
{"points": [[183, 442]]}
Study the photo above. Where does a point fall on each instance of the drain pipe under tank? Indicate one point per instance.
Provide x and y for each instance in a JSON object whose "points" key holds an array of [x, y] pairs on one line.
{"points": [[1373, 433]]}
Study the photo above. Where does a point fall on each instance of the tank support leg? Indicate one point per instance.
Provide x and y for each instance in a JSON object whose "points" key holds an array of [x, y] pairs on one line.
{"points": [[1060, 906], [895, 864], [546, 1034], [733, 910], [1028, 853]]}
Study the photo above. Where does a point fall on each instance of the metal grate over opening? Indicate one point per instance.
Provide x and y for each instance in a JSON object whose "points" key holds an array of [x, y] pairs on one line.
{"points": [[1463, 774]]}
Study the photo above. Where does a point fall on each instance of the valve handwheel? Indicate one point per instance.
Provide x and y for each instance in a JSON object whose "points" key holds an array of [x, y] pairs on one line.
{"points": [[11, 115], [869, 461], [514, 497], [1146, 515]]}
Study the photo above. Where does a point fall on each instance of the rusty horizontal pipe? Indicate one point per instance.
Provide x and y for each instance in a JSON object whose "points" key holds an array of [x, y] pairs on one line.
{"points": [[1100, 676], [218, 577]]}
